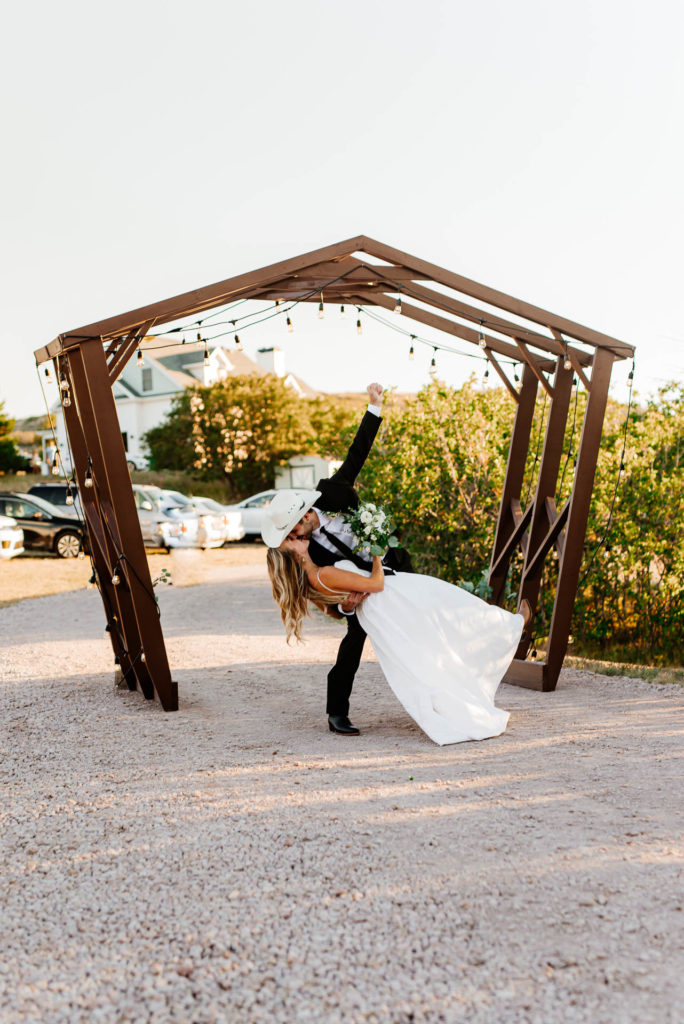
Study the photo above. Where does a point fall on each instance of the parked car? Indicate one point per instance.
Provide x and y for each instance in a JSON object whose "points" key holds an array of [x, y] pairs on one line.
{"points": [[56, 494], [137, 461], [45, 527], [229, 521], [183, 528], [11, 538], [252, 511]]}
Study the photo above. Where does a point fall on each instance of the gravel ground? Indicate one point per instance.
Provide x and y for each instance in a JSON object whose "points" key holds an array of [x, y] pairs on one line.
{"points": [[236, 862]]}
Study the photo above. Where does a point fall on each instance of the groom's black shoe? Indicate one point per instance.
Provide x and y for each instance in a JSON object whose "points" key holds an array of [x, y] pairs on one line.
{"points": [[341, 724]]}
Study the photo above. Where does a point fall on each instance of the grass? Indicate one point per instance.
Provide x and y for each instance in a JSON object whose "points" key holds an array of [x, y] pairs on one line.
{"points": [[651, 673]]}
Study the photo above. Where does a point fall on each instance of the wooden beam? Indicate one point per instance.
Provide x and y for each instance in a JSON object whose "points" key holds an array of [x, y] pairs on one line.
{"points": [[536, 562], [502, 374], [578, 514], [572, 356], [493, 321], [515, 472], [443, 324], [496, 298], [513, 540], [530, 674], [546, 487], [213, 294], [529, 358]]}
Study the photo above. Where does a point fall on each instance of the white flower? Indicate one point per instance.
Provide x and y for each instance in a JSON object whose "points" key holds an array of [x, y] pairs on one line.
{"points": [[366, 517], [371, 507], [367, 530]]}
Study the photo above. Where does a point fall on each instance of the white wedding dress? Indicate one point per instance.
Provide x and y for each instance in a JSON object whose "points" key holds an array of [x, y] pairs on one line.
{"points": [[443, 651]]}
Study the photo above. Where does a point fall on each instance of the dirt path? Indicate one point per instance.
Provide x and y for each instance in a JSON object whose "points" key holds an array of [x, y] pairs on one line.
{"points": [[235, 862]]}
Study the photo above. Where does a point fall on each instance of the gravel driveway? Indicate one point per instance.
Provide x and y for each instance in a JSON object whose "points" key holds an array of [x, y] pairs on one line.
{"points": [[236, 862]]}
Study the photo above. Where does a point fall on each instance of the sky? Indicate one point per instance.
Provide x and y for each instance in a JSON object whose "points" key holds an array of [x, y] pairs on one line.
{"points": [[154, 147]]}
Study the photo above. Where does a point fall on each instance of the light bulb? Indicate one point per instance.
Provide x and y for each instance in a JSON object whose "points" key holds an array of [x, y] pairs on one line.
{"points": [[206, 353], [141, 361], [238, 343], [433, 363], [567, 365], [412, 353], [321, 311], [482, 342], [63, 382], [289, 325], [66, 401], [116, 579], [69, 498], [486, 373], [342, 313], [397, 307], [47, 373], [359, 328], [142, 657]]}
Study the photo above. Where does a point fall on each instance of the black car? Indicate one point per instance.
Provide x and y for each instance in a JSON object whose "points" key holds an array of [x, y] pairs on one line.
{"points": [[45, 527], [56, 494]]}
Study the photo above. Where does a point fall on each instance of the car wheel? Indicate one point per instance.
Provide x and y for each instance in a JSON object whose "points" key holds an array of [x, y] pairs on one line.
{"points": [[131, 465], [68, 545]]}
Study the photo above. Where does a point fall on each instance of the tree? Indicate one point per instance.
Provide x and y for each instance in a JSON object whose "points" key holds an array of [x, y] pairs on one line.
{"points": [[11, 459], [238, 429]]}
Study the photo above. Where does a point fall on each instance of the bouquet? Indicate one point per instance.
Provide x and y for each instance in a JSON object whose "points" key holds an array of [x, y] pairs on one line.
{"points": [[373, 529]]}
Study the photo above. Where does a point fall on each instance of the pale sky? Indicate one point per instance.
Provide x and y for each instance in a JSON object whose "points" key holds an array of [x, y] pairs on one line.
{"points": [[153, 147]]}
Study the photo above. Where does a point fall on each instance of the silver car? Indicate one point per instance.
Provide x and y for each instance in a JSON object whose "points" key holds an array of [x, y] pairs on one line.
{"points": [[252, 511]]}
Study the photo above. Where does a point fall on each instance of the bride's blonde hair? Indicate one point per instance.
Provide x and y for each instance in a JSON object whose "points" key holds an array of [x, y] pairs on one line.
{"points": [[293, 592]]}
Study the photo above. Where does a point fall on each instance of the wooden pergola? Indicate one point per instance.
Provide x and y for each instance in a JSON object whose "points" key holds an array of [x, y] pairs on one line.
{"points": [[360, 272]]}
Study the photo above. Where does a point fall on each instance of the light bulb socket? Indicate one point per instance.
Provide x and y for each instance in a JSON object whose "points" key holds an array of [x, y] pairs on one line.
{"points": [[342, 313], [359, 328], [237, 341], [321, 311], [289, 325], [412, 352]]}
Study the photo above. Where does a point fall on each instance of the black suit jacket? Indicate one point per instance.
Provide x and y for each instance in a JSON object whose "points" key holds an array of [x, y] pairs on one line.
{"points": [[338, 495]]}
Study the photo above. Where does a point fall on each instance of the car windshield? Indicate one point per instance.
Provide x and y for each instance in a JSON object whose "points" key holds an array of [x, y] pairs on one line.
{"points": [[209, 503], [43, 505], [176, 497]]}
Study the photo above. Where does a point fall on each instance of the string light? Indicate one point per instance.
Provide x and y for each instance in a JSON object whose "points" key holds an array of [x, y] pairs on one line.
{"points": [[359, 328], [397, 306], [238, 343], [412, 351], [289, 325], [433, 363], [481, 340], [342, 313], [63, 382], [69, 498], [141, 360], [116, 579], [66, 399], [567, 364], [206, 350], [516, 378], [321, 310], [88, 481]]}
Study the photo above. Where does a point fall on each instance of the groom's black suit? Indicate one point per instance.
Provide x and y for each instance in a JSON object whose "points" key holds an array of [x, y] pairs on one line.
{"points": [[338, 495]]}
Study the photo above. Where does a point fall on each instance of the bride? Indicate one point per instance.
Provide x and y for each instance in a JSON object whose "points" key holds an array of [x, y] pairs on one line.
{"points": [[442, 650]]}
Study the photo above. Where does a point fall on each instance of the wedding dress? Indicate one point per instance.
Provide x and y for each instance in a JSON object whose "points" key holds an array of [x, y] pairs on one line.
{"points": [[443, 651]]}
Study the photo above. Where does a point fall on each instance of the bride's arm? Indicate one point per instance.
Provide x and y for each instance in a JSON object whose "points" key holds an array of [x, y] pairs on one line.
{"points": [[348, 582]]}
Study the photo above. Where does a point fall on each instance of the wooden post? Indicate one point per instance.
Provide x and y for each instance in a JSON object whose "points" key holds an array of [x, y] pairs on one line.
{"points": [[580, 502], [515, 471], [118, 517], [546, 488]]}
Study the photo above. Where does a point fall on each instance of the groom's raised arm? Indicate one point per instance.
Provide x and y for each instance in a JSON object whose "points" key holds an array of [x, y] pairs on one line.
{"points": [[363, 440]]}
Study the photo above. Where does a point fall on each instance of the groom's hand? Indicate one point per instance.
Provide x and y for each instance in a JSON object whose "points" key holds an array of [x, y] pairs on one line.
{"points": [[375, 392], [352, 602]]}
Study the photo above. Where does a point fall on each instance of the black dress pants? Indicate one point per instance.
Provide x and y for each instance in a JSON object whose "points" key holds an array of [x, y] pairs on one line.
{"points": [[341, 675]]}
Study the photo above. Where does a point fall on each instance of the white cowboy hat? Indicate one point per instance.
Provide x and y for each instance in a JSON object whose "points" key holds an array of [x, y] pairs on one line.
{"points": [[283, 514]]}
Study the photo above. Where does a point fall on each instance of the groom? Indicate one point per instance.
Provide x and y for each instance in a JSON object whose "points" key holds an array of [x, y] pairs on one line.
{"points": [[316, 515]]}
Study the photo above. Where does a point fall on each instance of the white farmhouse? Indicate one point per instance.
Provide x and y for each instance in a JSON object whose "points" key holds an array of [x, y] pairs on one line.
{"points": [[144, 393]]}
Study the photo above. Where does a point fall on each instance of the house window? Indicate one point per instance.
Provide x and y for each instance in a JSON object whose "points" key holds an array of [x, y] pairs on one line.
{"points": [[147, 378]]}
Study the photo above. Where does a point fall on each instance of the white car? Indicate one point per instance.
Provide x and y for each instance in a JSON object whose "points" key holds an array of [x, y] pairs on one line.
{"points": [[252, 511], [11, 538], [232, 528]]}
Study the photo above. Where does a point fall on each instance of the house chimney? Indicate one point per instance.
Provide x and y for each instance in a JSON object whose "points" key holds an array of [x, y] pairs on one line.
{"points": [[272, 360]]}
